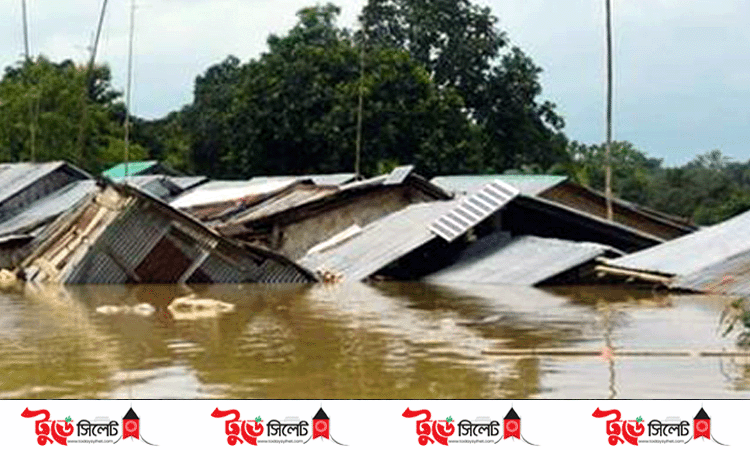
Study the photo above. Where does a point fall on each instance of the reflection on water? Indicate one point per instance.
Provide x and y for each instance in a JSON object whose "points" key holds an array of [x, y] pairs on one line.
{"points": [[390, 340]]}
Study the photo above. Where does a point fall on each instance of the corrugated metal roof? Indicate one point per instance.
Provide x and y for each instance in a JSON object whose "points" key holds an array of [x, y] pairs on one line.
{"points": [[523, 260], [693, 252], [125, 234], [47, 208], [156, 185], [473, 209], [302, 195], [381, 242], [730, 276], [186, 183], [398, 175], [134, 168], [332, 179], [14, 177], [224, 191], [526, 184]]}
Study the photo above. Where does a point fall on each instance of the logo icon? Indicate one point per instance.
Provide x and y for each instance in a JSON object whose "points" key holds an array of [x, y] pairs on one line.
{"points": [[277, 432], [483, 430], [101, 430], [672, 430]]}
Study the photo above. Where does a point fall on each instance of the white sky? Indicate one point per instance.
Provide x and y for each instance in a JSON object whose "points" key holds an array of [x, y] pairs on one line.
{"points": [[682, 67]]}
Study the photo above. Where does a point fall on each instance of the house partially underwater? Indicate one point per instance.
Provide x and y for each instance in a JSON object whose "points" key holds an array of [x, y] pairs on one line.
{"points": [[31, 196], [563, 191], [715, 259], [120, 234], [58, 224], [495, 235], [302, 215]]}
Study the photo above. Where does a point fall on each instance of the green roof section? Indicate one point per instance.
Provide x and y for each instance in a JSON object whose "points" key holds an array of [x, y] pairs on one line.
{"points": [[526, 184], [134, 168]]}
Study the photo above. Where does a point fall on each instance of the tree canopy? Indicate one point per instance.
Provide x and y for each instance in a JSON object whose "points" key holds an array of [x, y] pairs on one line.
{"points": [[41, 112]]}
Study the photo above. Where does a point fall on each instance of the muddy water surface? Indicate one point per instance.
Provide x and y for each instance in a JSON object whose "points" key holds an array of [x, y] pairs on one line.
{"points": [[390, 340]]}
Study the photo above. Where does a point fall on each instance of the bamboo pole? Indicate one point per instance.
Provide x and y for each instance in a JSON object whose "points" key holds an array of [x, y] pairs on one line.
{"points": [[607, 151], [128, 90], [577, 352]]}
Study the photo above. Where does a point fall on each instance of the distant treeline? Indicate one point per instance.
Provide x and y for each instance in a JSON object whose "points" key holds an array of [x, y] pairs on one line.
{"points": [[441, 87]]}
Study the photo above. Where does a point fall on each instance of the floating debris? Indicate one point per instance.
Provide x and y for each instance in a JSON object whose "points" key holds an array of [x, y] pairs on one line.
{"points": [[141, 309], [191, 307], [7, 278]]}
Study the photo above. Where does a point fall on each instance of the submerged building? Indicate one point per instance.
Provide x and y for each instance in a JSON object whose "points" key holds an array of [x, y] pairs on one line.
{"points": [[120, 234]]}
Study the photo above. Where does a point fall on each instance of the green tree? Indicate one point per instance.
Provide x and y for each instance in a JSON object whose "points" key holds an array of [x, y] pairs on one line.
{"points": [[40, 113], [462, 49], [294, 109]]}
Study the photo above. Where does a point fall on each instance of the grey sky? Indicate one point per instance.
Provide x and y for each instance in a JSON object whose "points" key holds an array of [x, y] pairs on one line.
{"points": [[682, 67]]}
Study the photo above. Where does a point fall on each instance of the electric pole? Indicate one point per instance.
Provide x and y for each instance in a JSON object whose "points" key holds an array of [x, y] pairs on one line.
{"points": [[127, 92], [88, 85], [608, 148], [357, 157], [25, 31]]}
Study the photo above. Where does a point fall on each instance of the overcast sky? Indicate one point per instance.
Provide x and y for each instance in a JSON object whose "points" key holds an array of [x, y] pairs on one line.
{"points": [[682, 67]]}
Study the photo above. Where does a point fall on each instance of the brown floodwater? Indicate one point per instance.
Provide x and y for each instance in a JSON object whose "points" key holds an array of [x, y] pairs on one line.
{"points": [[388, 340]]}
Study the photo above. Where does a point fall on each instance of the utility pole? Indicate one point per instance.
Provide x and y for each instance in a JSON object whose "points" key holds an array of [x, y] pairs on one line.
{"points": [[32, 111], [25, 31], [359, 109], [87, 86], [608, 149], [127, 93]]}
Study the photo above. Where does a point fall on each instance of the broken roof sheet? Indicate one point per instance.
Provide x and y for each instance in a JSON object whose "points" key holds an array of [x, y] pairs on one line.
{"points": [[473, 209], [331, 179], [288, 201], [523, 260], [730, 276], [381, 242], [526, 184], [47, 208], [692, 252], [163, 186], [226, 191], [393, 236], [284, 201], [14, 177]]}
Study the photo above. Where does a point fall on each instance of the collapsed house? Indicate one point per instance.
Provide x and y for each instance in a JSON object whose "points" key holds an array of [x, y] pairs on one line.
{"points": [[31, 196], [713, 260], [24, 183], [563, 191], [482, 237], [119, 234], [300, 215]]}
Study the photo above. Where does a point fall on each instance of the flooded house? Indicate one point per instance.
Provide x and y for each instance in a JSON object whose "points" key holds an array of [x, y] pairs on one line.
{"points": [[563, 191], [31, 196], [494, 235], [24, 183], [713, 260], [302, 215], [120, 234]]}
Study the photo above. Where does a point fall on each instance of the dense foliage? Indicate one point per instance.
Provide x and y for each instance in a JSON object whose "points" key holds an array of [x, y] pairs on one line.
{"points": [[441, 87], [708, 189], [41, 111]]}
